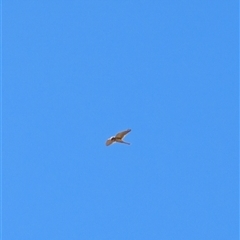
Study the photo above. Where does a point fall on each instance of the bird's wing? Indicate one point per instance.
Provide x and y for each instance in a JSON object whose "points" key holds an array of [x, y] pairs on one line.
{"points": [[109, 142], [122, 134]]}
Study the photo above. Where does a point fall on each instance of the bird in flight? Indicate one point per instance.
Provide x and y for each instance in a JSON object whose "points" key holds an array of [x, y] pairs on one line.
{"points": [[118, 138]]}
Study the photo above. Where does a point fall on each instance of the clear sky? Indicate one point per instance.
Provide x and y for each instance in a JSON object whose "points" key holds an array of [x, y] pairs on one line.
{"points": [[77, 72]]}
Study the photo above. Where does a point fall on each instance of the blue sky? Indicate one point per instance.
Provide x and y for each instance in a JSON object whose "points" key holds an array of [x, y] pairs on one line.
{"points": [[76, 73]]}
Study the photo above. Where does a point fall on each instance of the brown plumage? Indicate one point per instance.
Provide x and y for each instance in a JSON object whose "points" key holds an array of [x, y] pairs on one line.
{"points": [[118, 138]]}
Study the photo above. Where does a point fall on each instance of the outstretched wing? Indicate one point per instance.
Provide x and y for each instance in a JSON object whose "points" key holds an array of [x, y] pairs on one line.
{"points": [[109, 142], [122, 134]]}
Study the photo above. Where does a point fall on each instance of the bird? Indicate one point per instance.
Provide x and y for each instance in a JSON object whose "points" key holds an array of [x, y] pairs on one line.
{"points": [[118, 138]]}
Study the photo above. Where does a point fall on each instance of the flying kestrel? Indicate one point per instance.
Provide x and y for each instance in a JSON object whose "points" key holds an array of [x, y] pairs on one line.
{"points": [[118, 138]]}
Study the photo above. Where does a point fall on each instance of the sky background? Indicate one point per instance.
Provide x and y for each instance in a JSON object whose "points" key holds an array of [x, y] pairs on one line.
{"points": [[78, 72]]}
